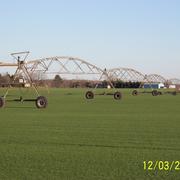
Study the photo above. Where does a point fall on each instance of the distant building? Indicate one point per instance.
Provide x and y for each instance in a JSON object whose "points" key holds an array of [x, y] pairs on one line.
{"points": [[153, 86], [174, 86]]}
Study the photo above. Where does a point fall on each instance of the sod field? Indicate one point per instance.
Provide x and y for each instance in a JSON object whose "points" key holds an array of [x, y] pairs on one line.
{"points": [[79, 139]]}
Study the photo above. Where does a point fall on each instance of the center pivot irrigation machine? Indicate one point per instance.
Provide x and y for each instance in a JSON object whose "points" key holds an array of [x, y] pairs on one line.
{"points": [[148, 83], [70, 67], [151, 81], [117, 94], [21, 78], [66, 66], [75, 70]]}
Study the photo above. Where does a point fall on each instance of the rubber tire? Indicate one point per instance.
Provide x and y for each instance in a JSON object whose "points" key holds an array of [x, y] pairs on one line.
{"points": [[155, 93], [2, 102], [160, 93], [117, 95], [89, 95], [174, 93], [41, 102], [135, 93]]}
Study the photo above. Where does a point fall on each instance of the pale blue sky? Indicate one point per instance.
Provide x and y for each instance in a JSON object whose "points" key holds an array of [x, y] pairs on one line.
{"points": [[140, 34]]}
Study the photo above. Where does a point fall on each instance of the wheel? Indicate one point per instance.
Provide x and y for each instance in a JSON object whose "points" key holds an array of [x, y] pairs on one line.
{"points": [[135, 93], [117, 95], [89, 95], [2, 102], [41, 102], [160, 93], [174, 93], [154, 92]]}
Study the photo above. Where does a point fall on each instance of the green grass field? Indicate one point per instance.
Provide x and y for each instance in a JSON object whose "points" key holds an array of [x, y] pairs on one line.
{"points": [[99, 139]]}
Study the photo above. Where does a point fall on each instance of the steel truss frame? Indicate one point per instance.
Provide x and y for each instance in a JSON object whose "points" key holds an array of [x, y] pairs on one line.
{"points": [[156, 78], [71, 66], [67, 65], [126, 75]]}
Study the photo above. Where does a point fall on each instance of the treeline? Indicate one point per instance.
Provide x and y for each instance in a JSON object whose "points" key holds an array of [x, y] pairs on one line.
{"points": [[58, 82], [121, 84], [5, 79]]}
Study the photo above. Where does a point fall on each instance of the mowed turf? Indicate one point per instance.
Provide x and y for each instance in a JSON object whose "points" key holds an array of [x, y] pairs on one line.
{"points": [[99, 139]]}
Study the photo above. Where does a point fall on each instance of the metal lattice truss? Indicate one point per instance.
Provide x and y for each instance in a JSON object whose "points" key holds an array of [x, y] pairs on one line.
{"points": [[155, 78], [63, 65], [66, 65], [126, 75], [174, 81]]}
